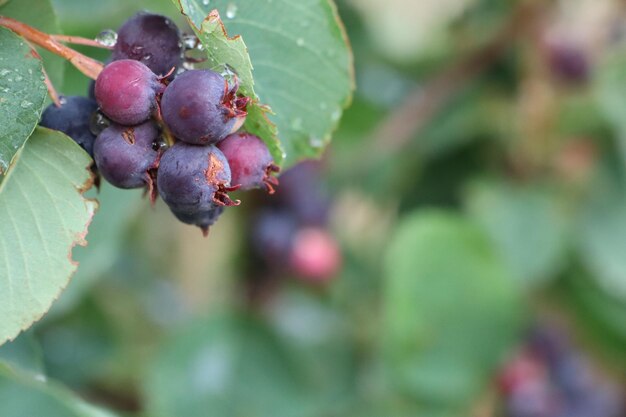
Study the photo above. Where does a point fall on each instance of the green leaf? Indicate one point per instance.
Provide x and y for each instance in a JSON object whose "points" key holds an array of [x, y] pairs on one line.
{"points": [[22, 395], [223, 50], [22, 95], [45, 20], [608, 311], [526, 225], [116, 210], [610, 88], [602, 231], [601, 316], [225, 366], [25, 353], [318, 338], [302, 65], [451, 309], [43, 216]]}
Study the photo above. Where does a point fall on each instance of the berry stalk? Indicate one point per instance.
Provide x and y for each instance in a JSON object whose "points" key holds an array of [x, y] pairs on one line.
{"points": [[88, 66], [79, 40]]}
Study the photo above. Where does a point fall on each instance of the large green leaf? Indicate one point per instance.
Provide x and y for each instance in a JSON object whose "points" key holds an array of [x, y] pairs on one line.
{"points": [[22, 95], [526, 226], [226, 366], [45, 20], [450, 312], [22, 395], [43, 216], [302, 64]]}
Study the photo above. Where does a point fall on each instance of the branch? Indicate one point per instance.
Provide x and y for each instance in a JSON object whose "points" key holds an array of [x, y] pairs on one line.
{"points": [[78, 40], [88, 66]]}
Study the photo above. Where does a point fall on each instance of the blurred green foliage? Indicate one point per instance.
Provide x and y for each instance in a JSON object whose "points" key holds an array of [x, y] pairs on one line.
{"points": [[505, 207]]}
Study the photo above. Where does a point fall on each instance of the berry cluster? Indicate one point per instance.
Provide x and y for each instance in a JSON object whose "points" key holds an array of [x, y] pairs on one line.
{"points": [[550, 378], [174, 131], [289, 233]]}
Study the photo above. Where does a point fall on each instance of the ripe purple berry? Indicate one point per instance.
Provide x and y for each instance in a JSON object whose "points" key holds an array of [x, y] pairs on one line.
{"points": [[250, 161], [152, 39], [194, 182], [272, 235], [201, 218], [303, 192], [201, 108], [126, 91], [72, 118], [127, 157]]}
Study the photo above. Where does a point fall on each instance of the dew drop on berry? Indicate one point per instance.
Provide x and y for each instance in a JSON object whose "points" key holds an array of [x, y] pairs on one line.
{"points": [[107, 38]]}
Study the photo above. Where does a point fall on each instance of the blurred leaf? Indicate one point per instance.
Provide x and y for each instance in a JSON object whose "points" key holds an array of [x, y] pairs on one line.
{"points": [[106, 235], [404, 29], [451, 309], [44, 215], [45, 20], [24, 353], [602, 314], [526, 226], [602, 231], [22, 395], [22, 95], [318, 337], [303, 64], [610, 92], [225, 366], [80, 347]]}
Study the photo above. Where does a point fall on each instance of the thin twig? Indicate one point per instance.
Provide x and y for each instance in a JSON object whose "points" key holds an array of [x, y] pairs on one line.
{"points": [[88, 66], [77, 40]]}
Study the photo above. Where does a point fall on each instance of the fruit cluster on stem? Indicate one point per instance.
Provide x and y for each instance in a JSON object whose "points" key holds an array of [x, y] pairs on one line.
{"points": [[151, 122]]}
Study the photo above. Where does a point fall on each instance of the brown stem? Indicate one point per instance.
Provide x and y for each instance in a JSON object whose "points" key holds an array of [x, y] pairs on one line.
{"points": [[397, 130], [77, 40], [54, 96], [90, 67]]}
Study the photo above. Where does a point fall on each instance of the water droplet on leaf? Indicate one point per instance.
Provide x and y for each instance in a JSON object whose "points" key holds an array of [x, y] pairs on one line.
{"points": [[316, 142], [231, 10]]}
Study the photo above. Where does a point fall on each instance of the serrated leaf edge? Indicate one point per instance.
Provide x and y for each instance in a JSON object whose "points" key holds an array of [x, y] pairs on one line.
{"points": [[92, 206]]}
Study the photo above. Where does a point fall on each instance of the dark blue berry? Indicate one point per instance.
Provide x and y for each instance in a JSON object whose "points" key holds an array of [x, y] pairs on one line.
{"points": [[128, 156], [152, 39], [73, 118], [194, 182]]}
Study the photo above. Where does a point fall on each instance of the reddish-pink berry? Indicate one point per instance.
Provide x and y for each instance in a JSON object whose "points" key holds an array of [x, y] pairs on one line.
{"points": [[126, 91], [251, 163]]}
